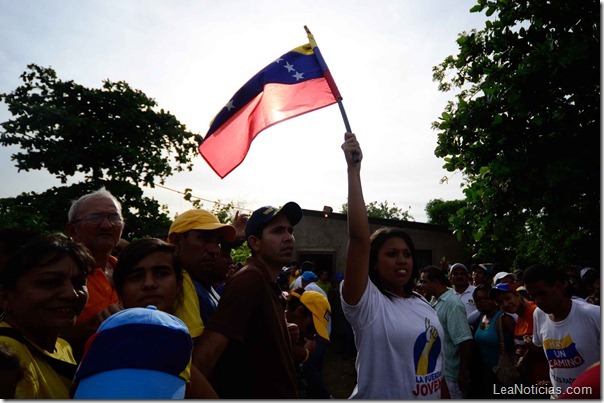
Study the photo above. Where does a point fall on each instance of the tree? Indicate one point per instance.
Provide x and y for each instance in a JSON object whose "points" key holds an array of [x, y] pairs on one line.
{"points": [[524, 130], [47, 211], [113, 136], [441, 212], [383, 210]]}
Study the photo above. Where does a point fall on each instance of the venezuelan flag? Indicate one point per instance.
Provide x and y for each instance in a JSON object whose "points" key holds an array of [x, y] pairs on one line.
{"points": [[296, 83]]}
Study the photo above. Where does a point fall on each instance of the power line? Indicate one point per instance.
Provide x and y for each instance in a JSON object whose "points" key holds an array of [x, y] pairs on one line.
{"points": [[201, 198], [157, 185]]}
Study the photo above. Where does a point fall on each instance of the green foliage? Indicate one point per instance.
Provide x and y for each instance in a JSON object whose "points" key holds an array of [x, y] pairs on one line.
{"points": [[114, 136], [383, 210], [441, 212], [524, 130], [224, 212], [240, 254], [47, 211]]}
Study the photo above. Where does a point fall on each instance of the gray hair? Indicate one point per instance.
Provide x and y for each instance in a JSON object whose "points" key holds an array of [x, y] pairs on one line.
{"points": [[102, 192]]}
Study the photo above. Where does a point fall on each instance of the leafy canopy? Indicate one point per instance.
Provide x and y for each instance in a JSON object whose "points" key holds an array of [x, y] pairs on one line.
{"points": [[523, 128], [113, 137], [383, 210], [440, 212]]}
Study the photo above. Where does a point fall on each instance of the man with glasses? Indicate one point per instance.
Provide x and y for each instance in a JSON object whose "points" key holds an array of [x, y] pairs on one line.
{"points": [[95, 220]]}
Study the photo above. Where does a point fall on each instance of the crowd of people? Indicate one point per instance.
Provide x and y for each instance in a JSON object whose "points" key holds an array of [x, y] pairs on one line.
{"points": [[89, 315]]}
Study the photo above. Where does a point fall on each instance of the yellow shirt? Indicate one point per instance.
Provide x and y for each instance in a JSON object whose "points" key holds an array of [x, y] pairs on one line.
{"points": [[188, 311], [40, 381]]}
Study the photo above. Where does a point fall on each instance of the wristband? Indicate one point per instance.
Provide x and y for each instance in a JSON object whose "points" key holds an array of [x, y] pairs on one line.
{"points": [[307, 355]]}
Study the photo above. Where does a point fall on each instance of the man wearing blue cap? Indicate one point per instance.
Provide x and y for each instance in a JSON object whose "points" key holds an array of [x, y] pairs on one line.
{"points": [[309, 283], [246, 351]]}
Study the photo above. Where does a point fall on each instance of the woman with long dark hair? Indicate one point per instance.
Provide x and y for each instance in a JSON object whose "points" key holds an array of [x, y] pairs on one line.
{"points": [[491, 324], [397, 333]]}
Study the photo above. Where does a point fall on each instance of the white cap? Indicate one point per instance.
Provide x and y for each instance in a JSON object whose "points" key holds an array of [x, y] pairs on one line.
{"points": [[458, 266], [499, 276], [585, 270]]}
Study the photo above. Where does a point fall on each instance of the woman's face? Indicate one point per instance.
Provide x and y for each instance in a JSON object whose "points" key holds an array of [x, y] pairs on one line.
{"points": [[47, 299], [395, 263], [484, 303], [152, 281], [509, 302]]}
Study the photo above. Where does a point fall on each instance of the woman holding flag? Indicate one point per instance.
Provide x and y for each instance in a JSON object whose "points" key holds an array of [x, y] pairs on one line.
{"points": [[397, 333]]}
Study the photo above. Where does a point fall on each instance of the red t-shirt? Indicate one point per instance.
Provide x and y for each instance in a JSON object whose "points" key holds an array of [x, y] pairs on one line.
{"points": [[101, 293], [586, 386]]}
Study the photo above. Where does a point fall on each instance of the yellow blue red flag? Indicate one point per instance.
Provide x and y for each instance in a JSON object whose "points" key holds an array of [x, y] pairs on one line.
{"points": [[296, 83]]}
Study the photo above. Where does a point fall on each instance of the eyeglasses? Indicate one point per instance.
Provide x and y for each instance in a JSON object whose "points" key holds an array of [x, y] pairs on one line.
{"points": [[114, 219]]}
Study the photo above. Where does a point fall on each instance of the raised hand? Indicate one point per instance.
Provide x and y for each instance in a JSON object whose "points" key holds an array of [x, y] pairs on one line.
{"points": [[350, 146], [239, 222]]}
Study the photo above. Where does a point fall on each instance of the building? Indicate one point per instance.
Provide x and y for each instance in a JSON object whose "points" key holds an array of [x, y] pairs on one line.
{"points": [[322, 238]]}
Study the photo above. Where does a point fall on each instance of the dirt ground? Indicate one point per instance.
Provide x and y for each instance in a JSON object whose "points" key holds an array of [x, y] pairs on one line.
{"points": [[339, 374]]}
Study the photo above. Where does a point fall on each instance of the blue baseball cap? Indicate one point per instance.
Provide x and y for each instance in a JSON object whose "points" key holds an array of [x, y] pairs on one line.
{"points": [[137, 353], [261, 217], [501, 288], [309, 276]]}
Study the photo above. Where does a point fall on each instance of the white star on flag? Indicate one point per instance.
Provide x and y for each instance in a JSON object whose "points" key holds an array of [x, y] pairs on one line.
{"points": [[289, 67], [230, 105], [298, 76]]}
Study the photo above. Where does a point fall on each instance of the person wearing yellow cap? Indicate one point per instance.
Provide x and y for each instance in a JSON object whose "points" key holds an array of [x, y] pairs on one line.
{"points": [[311, 312], [197, 235]]}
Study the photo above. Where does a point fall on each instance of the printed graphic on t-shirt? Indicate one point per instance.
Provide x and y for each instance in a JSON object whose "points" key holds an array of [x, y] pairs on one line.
{"points": [[562, 353], [426, 350]]}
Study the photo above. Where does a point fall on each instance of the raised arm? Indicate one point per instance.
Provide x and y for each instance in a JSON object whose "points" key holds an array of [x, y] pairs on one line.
{"points": [[357, 257]]}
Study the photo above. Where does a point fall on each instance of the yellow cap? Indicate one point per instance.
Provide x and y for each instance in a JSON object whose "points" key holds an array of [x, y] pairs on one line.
{"points": [[198, 219], [318, 305]]}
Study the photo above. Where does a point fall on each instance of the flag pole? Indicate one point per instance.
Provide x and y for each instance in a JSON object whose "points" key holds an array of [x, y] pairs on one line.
{"points": [[343, 112], [331, 82]]}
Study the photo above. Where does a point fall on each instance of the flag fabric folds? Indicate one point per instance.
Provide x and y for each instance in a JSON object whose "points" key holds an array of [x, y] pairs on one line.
{"points": [[296, 83]]}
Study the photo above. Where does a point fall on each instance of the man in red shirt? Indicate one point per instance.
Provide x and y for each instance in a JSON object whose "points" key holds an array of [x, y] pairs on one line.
{"points": [[95, 220]]}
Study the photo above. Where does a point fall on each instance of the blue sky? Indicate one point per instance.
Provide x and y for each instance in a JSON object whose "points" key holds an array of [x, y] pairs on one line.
{"points": [[191, 57]]}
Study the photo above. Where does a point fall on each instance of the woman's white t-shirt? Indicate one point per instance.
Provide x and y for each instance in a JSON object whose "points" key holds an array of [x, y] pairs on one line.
{"points": [[400, 346]]}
